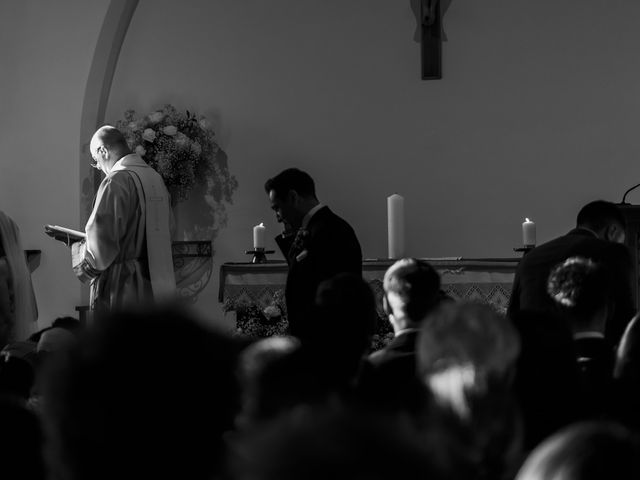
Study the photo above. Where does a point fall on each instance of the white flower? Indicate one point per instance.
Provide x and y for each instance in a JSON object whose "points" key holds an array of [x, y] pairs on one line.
{"points": [[149, 135], [140, 150], [204, 123], [272, 311], [156, 116], [170, 130], [133, 126], [196, 148], [181, 139]]}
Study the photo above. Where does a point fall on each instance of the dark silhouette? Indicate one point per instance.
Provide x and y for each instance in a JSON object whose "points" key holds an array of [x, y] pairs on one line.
{"points": [[389, 380], [467, 356], [316, 242], [271, 380], [585, 451], [547, 382], [580, 289], [143, 395], [599, 234], [321, 443], [21, 442]]}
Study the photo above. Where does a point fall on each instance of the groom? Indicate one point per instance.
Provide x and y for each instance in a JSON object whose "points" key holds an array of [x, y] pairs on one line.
{"points": [[316, 242]]}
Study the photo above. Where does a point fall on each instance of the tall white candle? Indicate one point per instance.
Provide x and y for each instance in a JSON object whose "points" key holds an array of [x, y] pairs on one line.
{"points": [[259, 232], [528, 233], [395, 225]]}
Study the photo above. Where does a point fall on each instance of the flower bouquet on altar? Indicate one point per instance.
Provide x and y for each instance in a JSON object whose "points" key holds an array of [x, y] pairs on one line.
{"points": [[254, 321]]}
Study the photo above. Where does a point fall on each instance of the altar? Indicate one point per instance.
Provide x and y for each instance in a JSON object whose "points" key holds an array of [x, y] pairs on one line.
{"points": [[253, 287]]}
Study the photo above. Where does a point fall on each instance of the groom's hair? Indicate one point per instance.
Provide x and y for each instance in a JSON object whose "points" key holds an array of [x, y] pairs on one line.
{"points": [[291, 179]]}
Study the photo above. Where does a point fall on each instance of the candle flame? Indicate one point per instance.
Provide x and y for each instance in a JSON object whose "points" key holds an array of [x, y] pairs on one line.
{"points": [[527, 220], [261, 224]]}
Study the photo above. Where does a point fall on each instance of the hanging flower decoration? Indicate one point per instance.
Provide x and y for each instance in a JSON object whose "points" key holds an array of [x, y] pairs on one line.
{"points": [[182, 149]]}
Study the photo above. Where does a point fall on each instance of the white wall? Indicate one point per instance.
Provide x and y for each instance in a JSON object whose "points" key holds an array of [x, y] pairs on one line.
{"points": [[46, 50], [536, 113]]}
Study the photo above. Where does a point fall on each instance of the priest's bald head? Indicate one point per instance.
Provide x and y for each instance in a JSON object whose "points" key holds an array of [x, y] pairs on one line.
{"points": [[108, 145]]}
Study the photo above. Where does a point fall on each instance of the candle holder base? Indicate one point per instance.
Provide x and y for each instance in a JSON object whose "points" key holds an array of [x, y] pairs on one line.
{"points": [[259, 255], [525, 249]]}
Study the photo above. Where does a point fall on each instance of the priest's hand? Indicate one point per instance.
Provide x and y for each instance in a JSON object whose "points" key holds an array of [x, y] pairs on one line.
{"points": [[77, 251]]}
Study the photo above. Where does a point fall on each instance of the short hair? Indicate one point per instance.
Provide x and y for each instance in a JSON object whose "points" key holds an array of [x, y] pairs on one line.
{"points": [[68, 323], [111, 137], [267, 373], [584, 451], [466, 350], [578, 286], [416, 283], [291, 179], [600, 214]]}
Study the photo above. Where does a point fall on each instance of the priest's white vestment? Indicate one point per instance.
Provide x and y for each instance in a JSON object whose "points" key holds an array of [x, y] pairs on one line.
{"points": [[126, 256]]}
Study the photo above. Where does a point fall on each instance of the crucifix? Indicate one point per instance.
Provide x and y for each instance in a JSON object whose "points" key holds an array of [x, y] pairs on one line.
{"points": [[429, 16], [431, 39]]}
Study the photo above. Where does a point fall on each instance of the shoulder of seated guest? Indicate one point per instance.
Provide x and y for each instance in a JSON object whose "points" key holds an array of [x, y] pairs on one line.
{"points": [[376, 358]]}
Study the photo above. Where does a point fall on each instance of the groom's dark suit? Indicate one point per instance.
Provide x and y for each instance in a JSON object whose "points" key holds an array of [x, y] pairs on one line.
{"points": [[530, 283], [326, 247]]}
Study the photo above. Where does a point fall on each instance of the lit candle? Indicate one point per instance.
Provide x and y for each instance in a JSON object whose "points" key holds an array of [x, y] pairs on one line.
{"points": [[529, 233], [395, 225], [259, 232]]}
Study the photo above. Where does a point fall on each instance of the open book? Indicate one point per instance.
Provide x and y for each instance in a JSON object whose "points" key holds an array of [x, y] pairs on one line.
{"points": [[65, 235]]}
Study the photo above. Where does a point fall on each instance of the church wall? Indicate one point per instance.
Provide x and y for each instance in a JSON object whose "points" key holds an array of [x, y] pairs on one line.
{"points": [[46, 50], [535, 115]]}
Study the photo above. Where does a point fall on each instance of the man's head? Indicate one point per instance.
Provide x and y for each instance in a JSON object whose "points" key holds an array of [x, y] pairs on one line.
{"points": [[108, 145], [292, 194], [411, 291], [604, 219], [467, 352], [580, 289]]}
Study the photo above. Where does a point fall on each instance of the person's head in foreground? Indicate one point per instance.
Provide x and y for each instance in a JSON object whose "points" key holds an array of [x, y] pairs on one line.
{"points": [[585, 451], [144, 394]]}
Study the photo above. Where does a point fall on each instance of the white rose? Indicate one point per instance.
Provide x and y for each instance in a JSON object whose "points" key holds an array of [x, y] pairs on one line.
{"points": [[204, 123], [156, 116], [170, 130], [149, 135], [181, 139], [272, 311], [140, 150]]}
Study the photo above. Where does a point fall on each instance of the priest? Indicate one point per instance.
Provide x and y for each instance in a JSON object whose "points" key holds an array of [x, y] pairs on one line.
{"points": [[126, 256]]}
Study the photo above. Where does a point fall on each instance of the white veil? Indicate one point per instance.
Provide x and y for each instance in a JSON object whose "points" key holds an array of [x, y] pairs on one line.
{"points": [[25, 307]]}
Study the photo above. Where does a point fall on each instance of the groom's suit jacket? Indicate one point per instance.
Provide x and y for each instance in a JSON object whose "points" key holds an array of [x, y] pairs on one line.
{"points": [[326, 247]]}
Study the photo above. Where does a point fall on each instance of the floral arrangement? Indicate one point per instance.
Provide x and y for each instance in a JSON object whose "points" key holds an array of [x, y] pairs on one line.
{"points": [[382, 335], [255, 322], [180, 146]]}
